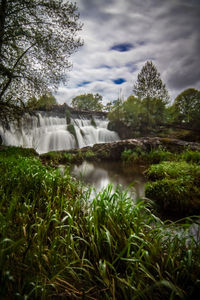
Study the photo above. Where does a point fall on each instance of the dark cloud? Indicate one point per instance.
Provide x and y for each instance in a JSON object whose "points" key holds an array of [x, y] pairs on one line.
{"points": [[122, 47], [166, 32], [94, 9], [119, 80], [185, 73], [104, 67], [132, 67]]}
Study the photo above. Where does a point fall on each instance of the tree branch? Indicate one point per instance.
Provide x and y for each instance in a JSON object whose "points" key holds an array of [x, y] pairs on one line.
{"points": [[11, 76]]}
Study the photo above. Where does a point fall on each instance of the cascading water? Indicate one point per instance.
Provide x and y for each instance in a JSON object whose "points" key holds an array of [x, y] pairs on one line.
{"points": [[47, 133]]}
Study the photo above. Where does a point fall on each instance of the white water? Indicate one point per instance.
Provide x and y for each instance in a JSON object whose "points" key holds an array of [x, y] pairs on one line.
{"points": [[44, 133]]}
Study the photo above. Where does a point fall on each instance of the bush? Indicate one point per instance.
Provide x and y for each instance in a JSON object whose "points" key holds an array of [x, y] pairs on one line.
{"points": [[191, 156], [154, 156], [157, 155], [176, 187]]}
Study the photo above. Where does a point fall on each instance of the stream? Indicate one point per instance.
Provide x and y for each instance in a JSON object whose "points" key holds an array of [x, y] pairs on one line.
{"points": [[99, 174]]}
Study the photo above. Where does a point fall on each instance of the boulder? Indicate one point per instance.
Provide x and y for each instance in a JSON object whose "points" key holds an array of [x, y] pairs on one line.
{"points": [[113, 150]]}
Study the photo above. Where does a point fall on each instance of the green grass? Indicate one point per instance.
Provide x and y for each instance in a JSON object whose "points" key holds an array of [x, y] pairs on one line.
{"points": [[175, 187], [57, 243], [150, 157]]}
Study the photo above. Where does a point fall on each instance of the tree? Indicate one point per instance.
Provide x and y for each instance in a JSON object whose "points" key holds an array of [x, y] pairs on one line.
{"points": [[36, 40], [187, 107], [88, 102], [149, 84], [108, 106], [137, 116], [46, 101]]}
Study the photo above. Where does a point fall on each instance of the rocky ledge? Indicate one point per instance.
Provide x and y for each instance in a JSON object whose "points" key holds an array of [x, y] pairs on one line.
{"points": [[112, 151]]}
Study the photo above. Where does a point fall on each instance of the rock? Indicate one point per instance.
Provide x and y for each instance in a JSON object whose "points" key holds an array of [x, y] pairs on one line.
{"points": [[112, 151]]}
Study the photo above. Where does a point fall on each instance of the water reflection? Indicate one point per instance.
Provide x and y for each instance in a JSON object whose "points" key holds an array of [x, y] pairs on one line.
{"points": [[100, 174]]}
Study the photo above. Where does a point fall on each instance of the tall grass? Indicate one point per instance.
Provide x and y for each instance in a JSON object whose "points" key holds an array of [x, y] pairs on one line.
{"points": [[175, 186], [151, 157], [55, 243]]}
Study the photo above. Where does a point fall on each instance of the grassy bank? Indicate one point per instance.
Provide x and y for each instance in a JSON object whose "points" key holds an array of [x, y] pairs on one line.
{"points": [[55, 243], [174, 179]]}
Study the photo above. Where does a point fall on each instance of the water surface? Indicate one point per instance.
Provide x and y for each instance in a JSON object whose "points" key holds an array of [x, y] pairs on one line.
{"points": [[100, 174]]}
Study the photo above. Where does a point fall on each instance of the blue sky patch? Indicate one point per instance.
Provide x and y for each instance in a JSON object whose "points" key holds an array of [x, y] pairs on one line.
{"points": [[83, 83], [119, 80], [122, 47]]}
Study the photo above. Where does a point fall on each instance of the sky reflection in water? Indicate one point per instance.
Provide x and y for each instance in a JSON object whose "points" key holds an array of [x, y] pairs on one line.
{"points": [[100, 174]]}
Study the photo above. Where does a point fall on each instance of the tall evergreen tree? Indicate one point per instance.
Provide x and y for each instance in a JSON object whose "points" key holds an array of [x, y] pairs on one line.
{"points": [[149, 84]]}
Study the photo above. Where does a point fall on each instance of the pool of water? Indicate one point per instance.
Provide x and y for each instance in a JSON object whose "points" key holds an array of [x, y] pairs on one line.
{"points": [[99, 174]]}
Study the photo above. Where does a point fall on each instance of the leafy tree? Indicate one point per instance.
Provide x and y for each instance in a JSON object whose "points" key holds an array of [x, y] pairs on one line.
{"points": [[88, 102], [187, 107], [152, 114], [44, 102], [36, 40], [131, 112], [138, 116], [108, 106], [149, 84]]}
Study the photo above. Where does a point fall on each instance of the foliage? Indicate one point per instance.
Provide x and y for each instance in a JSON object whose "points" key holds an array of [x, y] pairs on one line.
{"points": [[135, 156], [44, 102], [190, 156], [55, 242], [154, 156], [93, 123], [108, 106], [175, 187], [68, 116], [88, 102], [36, 40], [149, 84], [89, 155], [140, 116], [71, 129], [187, 107]]}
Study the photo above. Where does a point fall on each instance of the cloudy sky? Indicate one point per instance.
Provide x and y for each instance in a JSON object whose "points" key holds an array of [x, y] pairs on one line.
{"points": [[121, 35]]}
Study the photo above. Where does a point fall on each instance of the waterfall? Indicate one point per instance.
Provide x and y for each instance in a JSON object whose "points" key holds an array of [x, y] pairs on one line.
{"points": [[45, 132]]}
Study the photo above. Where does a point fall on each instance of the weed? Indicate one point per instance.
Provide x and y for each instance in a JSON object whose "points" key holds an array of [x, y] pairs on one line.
{"points": [[55, 242]]}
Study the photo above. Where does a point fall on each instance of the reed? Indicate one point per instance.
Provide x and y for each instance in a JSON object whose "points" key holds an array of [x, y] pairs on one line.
{"points": [[57, 243]]}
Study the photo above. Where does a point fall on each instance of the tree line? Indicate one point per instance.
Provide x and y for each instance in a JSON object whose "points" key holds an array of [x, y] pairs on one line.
{"points": [[37, 39], [148, 107]]}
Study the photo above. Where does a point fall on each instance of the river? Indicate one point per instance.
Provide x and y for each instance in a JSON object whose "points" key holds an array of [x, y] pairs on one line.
{"points": [[99, 174]]}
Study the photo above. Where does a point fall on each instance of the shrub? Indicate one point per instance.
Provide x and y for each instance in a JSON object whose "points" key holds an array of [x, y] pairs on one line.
{"points": [[191, 156], [68, 116], [176, 187], [153, 156], [71, 129], [157, 155]]}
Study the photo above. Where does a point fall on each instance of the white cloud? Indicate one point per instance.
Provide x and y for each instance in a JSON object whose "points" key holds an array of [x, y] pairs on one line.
{"points": [[165, 32]]}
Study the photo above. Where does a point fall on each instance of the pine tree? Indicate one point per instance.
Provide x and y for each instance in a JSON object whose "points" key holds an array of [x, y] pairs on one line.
{"points": [[149, 84]]}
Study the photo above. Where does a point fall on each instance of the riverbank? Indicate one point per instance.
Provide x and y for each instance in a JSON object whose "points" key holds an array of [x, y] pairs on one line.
{"points": [[114, 150], [56, 244], [176, 194]]}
